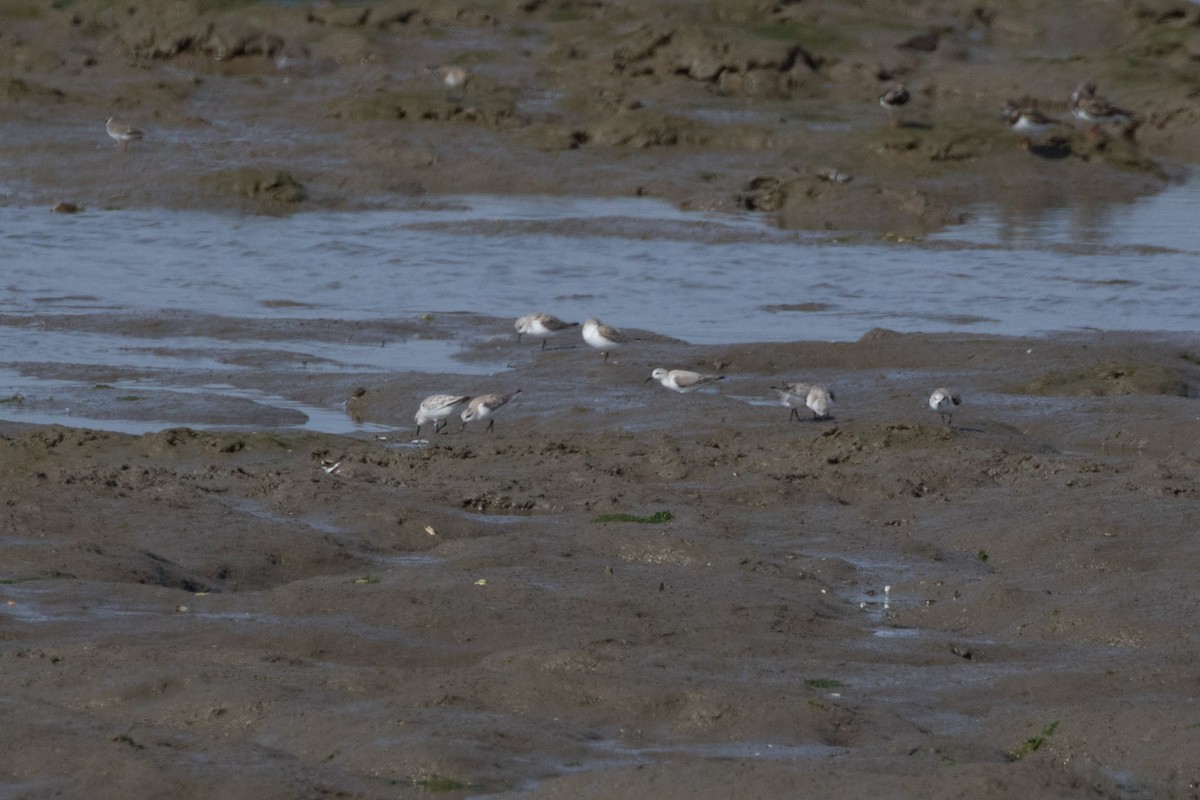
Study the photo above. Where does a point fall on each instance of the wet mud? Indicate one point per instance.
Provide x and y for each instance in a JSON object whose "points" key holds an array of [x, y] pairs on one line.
{"points": [[624, 591]]}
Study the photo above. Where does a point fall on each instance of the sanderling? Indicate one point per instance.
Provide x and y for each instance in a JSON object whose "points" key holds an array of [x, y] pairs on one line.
{"points": [[1087, 106], [542, 326], [123, 132], [484, 406], [893, 100], [682, 380], [943, 401], [817, 398], [436, 408], [1027, 122], [453, 77], [603, 337]]}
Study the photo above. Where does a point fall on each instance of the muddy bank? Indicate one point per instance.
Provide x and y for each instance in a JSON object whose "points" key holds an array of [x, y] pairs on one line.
{"points": [[274, 108], [627, 591]]}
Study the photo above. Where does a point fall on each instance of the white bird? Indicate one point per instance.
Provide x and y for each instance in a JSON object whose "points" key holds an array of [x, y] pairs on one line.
{"points": [[943, 401], [682, 380], [817, 398], [453, 76], [542, 326], [123, 132], [484, 406], [603, 337], [436, 408]]}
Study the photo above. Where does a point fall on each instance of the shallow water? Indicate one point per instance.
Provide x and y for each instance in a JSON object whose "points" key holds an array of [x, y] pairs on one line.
{"points": [[704, 278]]}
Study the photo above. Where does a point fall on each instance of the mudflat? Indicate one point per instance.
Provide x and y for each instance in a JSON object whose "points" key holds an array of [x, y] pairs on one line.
{"points": [[621, 591], [624, 591]]}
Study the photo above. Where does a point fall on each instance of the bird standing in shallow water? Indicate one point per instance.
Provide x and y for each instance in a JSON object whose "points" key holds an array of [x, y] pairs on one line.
{"points": [[943, 401], [483, 407], [1087, 106]]}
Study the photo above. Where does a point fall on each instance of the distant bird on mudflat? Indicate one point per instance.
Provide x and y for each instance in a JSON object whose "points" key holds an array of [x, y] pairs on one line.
{"points": [[122, 132], [894, 100], [1089, 107], [1027, 122]]}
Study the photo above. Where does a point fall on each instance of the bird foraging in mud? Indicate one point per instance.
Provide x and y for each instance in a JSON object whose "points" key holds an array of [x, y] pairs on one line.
{"points": [[818, 399], [943, 402], [483, 407], [436, 408]]}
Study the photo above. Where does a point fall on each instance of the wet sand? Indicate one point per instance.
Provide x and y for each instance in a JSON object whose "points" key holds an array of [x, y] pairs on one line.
{"points": [[875, 605]]}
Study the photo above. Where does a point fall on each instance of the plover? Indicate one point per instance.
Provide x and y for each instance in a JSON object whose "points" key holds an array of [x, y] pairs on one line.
{"points": [[484, 406], [543, 326], [943, 401], [603, 337], [818, 399], [436, 408], [123, 132], [682, 380]]}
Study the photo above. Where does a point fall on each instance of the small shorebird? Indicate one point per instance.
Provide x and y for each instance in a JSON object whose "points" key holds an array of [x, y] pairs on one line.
{"points": [[353, 471], [603, 337], [893, 101], [543, 326], [817, 398], [436, 408], [943, 401], [1089, 107], [682, 380], [123, 132], [454, 77], [484, 406], [1027, 122]]}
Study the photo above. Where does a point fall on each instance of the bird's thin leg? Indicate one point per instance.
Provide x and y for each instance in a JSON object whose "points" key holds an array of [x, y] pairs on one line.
{"points": [[794, 415], [491, 424]]}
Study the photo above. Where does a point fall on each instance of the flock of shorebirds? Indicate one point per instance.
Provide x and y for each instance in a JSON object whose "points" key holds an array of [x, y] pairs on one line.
{"points": [[818, 399], [1085, 105]]}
